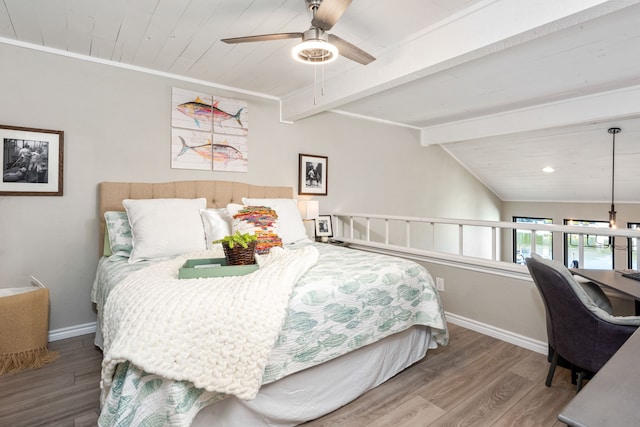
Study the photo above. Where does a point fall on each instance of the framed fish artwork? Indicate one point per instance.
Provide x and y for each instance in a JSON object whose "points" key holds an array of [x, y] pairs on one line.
{"points": [[230, 135], [191, 110], [191, 149], [208, 132], [230, 153], [230, 116]]}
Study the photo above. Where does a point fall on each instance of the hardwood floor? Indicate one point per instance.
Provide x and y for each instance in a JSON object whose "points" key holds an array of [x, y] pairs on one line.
{"points": [[65, 393], [475, 381]]}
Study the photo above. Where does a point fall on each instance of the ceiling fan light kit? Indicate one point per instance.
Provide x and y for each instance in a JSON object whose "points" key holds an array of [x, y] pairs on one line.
{"points": [[317, 46], [315, 52]]}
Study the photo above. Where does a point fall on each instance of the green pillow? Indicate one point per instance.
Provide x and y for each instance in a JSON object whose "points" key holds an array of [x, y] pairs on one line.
{"points": [[106, 245], [118, 233]]}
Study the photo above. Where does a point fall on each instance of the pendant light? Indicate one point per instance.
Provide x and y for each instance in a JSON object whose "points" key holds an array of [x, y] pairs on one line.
{"points": [[612, 212]]}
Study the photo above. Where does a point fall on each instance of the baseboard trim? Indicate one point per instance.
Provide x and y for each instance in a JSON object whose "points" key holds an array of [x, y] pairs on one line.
{"points": [[501, 334], [72, 331]]}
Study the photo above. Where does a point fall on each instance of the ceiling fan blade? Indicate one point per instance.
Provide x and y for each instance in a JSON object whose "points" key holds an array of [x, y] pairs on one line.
{"points": [[329, 12], [350, 51], [263, 38]]}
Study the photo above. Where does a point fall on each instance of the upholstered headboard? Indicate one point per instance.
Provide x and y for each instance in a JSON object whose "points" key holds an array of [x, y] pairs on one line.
{"points": [[217, 193]]}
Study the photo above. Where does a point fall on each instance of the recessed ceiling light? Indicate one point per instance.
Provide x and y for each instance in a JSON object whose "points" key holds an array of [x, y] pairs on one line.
{"points": [[548, 169]]}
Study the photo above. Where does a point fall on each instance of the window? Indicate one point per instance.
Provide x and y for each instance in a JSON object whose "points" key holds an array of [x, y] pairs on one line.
{"points": [[632, 247], [522, 247], [598, 253]]}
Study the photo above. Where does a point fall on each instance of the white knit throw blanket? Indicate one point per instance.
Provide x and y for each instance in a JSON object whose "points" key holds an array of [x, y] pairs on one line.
{"points": [[214, 332]]}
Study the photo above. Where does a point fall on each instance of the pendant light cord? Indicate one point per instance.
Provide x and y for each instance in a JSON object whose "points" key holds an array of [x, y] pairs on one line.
{"points": [[612, 212], [613, 166]]}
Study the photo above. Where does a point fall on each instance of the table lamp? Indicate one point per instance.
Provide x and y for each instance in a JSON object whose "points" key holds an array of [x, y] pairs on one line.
{"points": [[309, 210]]}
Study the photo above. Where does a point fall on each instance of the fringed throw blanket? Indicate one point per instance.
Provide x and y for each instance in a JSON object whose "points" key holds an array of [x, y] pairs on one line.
{"points": [[24, 333], [216, 333]]}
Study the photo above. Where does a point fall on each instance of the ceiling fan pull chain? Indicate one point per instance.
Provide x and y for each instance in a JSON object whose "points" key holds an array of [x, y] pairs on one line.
{"points": [[315, 83], [322, 86]]}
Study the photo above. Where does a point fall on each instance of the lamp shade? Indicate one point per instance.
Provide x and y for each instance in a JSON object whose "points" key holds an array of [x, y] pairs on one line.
{"points": [[309, 209]]}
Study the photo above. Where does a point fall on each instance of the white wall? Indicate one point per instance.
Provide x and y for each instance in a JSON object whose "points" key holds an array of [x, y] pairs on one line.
{"points": [[117, 128]]}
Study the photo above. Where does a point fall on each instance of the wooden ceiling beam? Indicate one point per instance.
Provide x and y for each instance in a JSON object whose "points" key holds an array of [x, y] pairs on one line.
{"points": [[471, 34]]}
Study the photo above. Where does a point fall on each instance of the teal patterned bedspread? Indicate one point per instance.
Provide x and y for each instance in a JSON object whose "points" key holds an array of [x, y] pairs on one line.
{"points": [[348, 300]]}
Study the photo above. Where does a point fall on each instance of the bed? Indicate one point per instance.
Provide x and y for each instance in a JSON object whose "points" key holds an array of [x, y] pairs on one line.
{"points": [[348, 321]]}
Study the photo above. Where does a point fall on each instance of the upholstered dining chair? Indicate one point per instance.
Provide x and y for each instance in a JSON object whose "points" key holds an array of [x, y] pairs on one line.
{"points": [[581, 328]]}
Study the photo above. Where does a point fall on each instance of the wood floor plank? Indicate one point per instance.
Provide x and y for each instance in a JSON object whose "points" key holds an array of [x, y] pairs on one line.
{"points": [[540, 407], [458, 374], [415, 412], [488, 403], [447, 391], [58, 393], [476, 380]]}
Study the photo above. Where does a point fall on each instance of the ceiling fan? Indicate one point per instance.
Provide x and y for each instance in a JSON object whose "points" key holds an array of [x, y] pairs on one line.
{"points": [[317, 45]]}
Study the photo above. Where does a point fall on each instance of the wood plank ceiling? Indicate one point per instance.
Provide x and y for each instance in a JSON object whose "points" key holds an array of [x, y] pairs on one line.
{"points": [[505, 86]]}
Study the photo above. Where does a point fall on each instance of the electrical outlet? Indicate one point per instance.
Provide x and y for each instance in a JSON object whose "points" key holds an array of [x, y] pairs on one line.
{"points": [[440, 284]]}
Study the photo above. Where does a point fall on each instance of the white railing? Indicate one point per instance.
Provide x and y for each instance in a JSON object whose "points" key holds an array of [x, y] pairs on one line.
{"points": [[398, 233]]}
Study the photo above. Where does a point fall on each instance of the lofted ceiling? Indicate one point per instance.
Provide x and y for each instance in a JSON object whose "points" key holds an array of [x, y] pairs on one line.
{"points": [[507, 87]]}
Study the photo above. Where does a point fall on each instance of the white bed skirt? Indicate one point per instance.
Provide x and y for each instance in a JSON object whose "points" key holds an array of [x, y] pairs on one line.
{"points": [[319, 390]]}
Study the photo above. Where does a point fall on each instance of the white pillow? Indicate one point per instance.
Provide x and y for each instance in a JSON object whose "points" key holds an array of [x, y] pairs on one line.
{"points": [[163, 228], [217, 224], [290, 226], [233, 208]]}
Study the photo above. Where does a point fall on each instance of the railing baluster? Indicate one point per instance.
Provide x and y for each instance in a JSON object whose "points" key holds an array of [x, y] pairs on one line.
{"points": [[494, 244], [460, 240], [533, 241], [408, 233], [386, 231], [368, 229], [433, 235], [351, 221], [581, 250]]}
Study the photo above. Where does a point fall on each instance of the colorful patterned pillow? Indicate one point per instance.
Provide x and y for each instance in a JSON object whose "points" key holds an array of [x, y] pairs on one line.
{"points": [[290, 226], [261, 221], [119, 233]]}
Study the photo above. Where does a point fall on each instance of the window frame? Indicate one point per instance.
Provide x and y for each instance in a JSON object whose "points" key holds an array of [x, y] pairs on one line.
{"points": [[535, 220], [565, 240]]}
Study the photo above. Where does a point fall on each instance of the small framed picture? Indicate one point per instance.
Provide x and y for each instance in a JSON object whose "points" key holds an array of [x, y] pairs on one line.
{"points": [[323, 226], [312, 174], [32, 161]]}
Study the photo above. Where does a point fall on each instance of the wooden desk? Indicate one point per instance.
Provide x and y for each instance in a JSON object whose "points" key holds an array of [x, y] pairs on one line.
{"points": [[613, 280], [612, 396]]}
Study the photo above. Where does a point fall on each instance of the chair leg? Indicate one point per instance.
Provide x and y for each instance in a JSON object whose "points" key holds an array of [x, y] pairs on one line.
{"points": [[552, 369], [580, 378], [574, 375]]}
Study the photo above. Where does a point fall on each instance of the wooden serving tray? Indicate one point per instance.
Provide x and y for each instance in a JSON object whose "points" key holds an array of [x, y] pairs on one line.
{"points": [[213, 267]]}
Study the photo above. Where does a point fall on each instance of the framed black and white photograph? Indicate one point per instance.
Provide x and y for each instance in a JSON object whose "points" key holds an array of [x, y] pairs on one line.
{"points": [[32, 161], [312, 175], [323, 226]]}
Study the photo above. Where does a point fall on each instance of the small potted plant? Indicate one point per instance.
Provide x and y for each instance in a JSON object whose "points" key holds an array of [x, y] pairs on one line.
{"points": [[239, 249]]}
